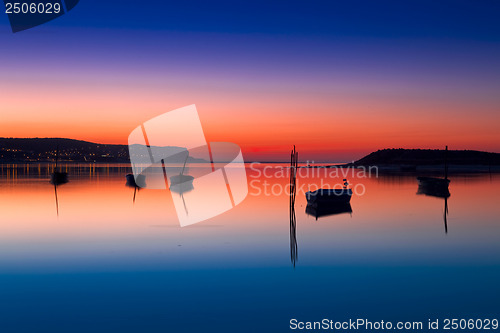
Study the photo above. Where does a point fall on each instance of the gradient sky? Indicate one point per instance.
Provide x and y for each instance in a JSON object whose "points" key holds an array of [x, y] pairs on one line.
{"points": [[337, 80]]}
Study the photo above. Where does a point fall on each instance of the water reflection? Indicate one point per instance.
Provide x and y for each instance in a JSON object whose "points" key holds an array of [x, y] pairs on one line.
{"points": [[58, 177], [387, 218], [182, 188], [327, 202], [445, 215], [323, 210], [436, 191], [136, 184], [293, 219], [57, 181]]}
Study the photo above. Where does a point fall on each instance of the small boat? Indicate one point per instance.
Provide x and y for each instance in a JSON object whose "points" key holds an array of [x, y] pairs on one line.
{"points": [[132, 181], [433, 182], [436, 184], [339, 195], [181, 179], [57, 177], [182, 187], [135, 183], [329, 195]]}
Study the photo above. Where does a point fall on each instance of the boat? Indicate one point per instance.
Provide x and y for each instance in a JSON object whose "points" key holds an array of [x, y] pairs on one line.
{"points": [[321, 196], [182, 179], [182, 187], [57, 177], [329, 195], [437, 188], [434, 184], [132, 181]]}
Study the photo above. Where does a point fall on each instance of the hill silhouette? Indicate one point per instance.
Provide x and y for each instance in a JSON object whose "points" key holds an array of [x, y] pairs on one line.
{"points": [[418, 157], [27, 150]]}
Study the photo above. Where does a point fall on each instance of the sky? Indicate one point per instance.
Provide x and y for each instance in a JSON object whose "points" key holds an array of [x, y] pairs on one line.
{"points": [[338, 80]]}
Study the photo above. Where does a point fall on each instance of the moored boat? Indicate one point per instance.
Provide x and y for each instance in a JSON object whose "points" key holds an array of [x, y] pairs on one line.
{"points": [[330, 195], [181, 179], [132, 181], [434, 183], [58, 178]]}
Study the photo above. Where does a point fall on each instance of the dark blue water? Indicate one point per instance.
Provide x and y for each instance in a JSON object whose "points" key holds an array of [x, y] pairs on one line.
{"points": [[242, 300], [106, 264]]}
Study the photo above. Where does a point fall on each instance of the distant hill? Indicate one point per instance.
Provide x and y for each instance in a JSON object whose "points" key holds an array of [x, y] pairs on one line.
{"points": [[418, 157], [14, 150]]}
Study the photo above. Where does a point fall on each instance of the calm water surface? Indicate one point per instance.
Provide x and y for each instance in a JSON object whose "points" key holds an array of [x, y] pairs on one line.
{"points": [[107, 263]]}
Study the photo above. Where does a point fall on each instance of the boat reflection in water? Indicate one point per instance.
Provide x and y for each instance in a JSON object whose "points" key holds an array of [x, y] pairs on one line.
{"points": [[437, 191], [181, 188], [57, 181], [434, 191], [294, 158], [136, 184], [328, 209]]}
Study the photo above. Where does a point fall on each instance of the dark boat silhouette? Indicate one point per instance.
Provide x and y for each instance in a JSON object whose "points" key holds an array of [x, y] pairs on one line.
{"points": [[138, 183], [57, 177], [436, 184], [437, 191], [181, 184], [434, 191], [330, 195], [328, 209], [182, 187], [182, 179], [132, 181], [432, 182]]}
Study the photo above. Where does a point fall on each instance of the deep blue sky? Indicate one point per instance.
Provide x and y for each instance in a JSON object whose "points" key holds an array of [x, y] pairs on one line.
{"points": [[474, 20]]}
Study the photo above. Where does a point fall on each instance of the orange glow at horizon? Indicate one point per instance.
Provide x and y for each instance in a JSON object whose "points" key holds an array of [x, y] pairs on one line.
{"points": [[264, 124]]}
